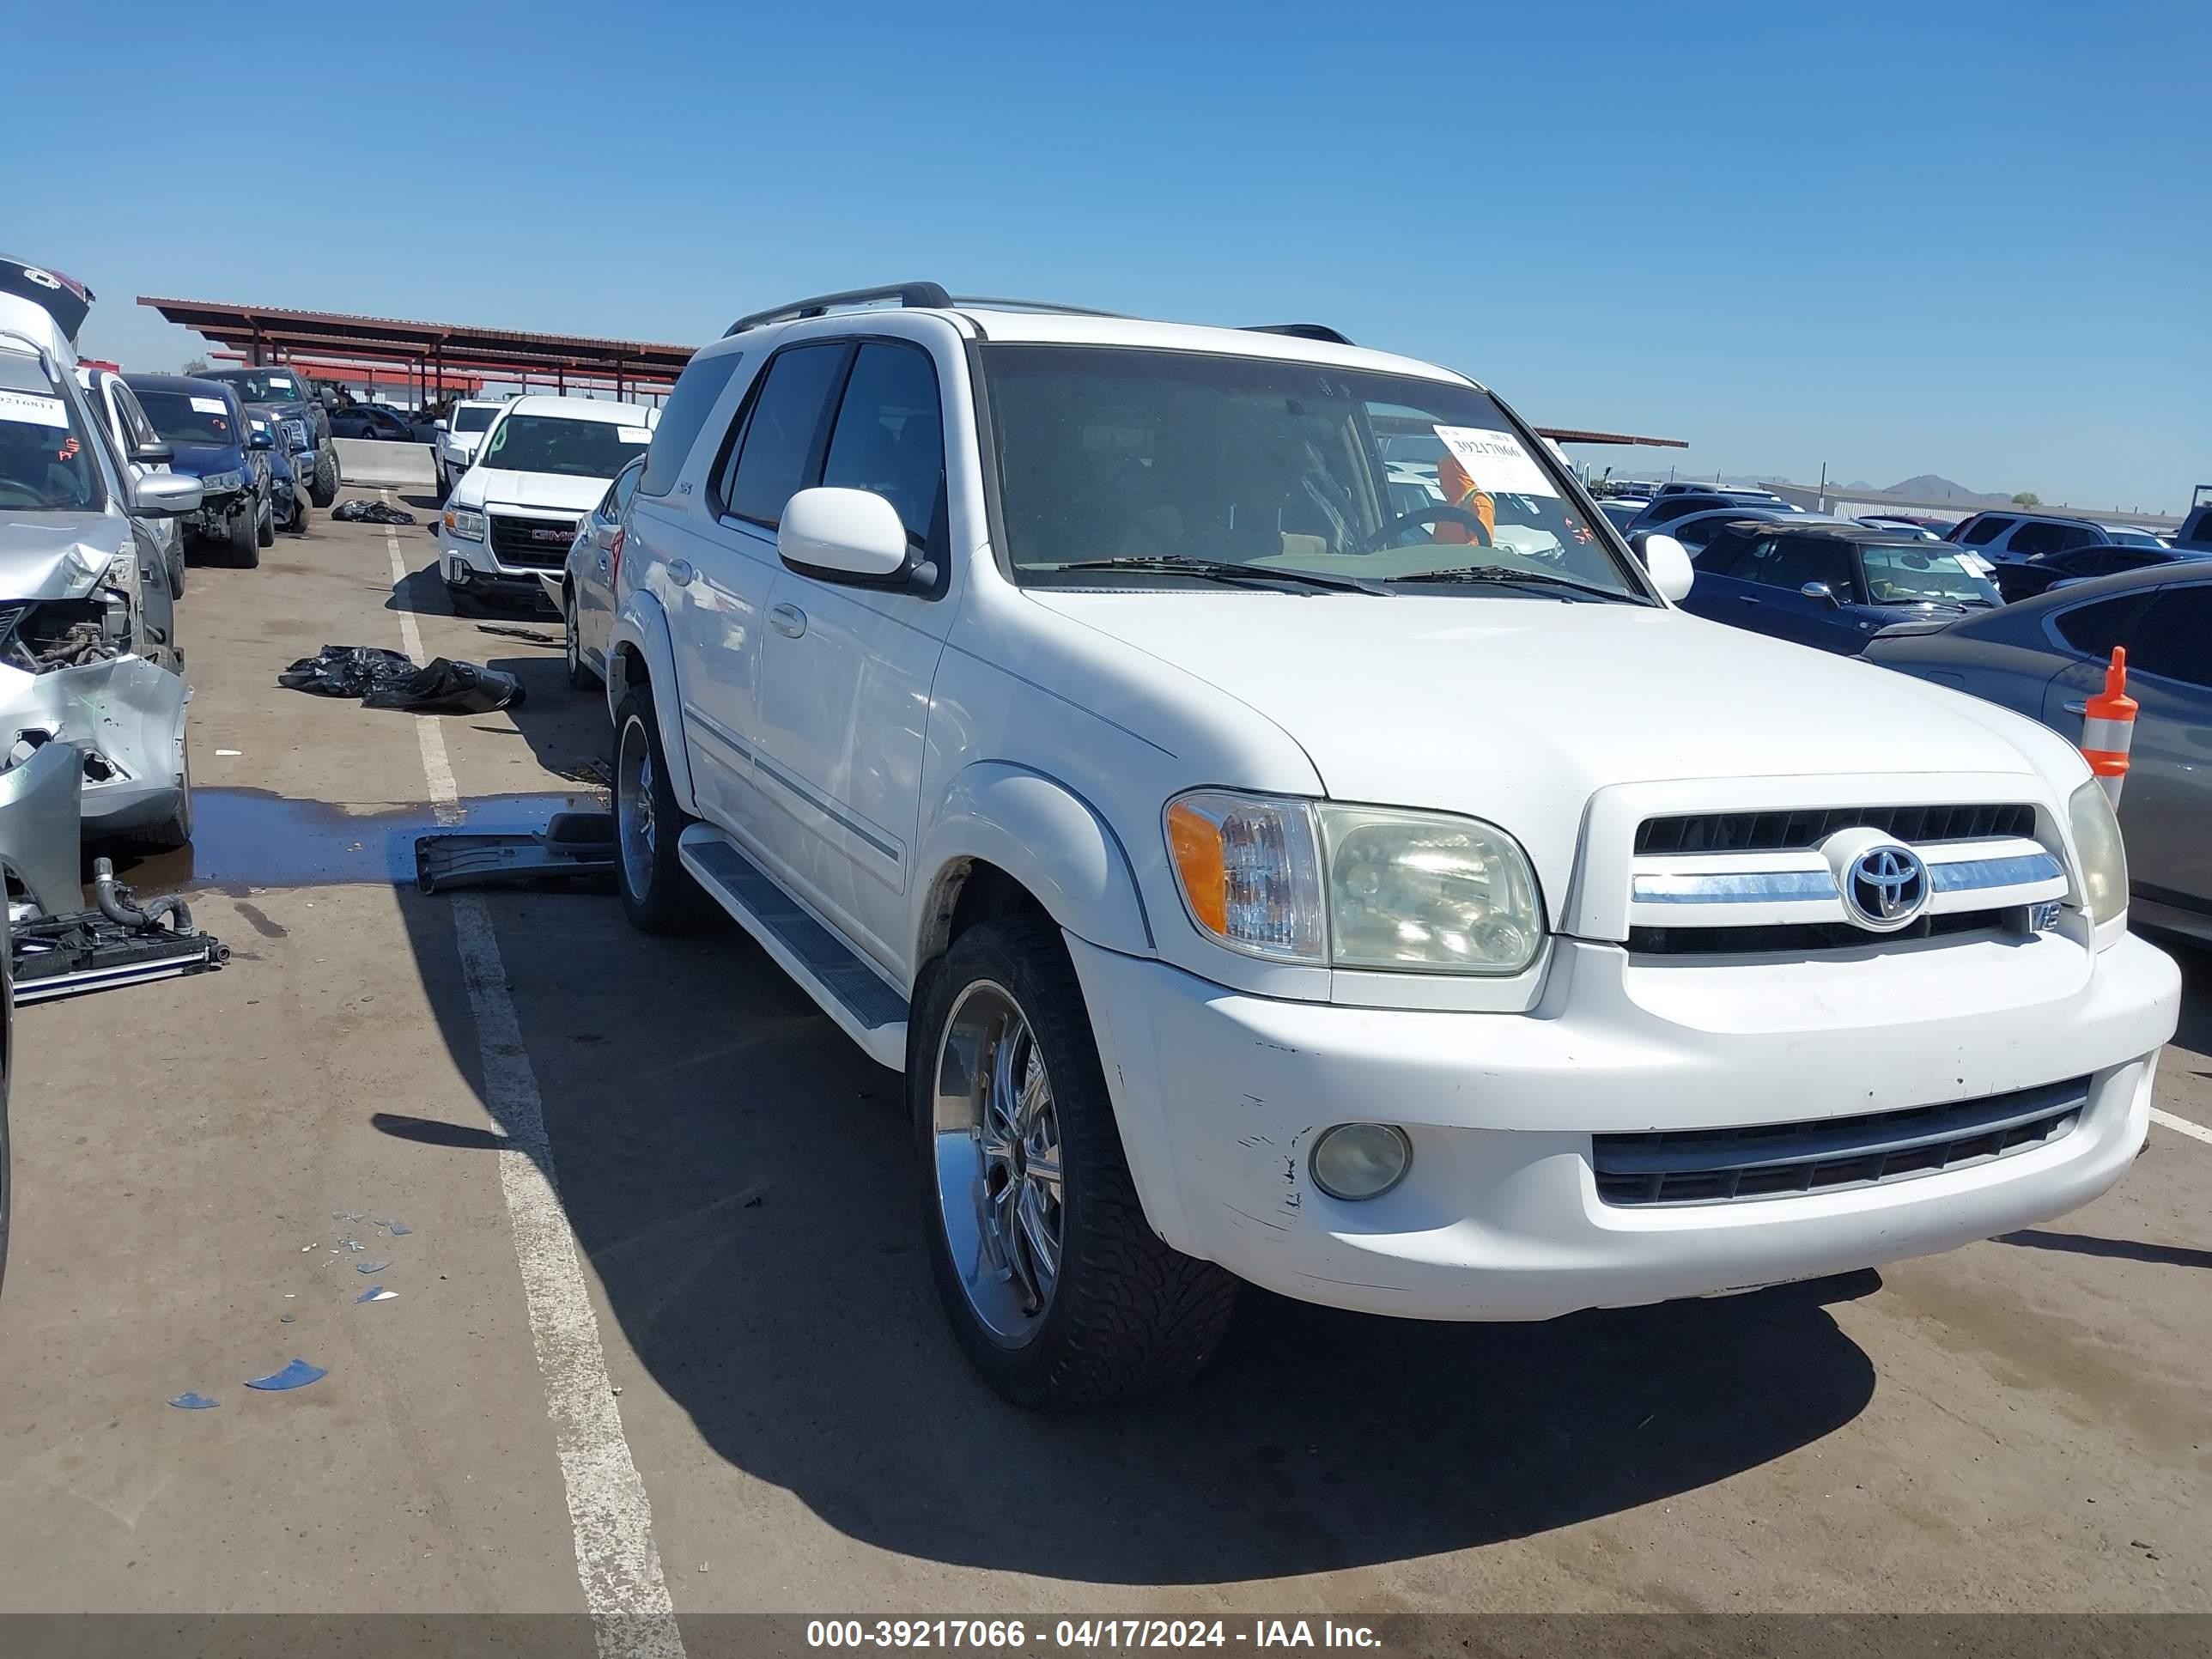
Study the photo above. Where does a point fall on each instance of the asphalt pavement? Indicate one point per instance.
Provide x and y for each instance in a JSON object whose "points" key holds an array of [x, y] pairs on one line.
{"points": [[663, 1337]]}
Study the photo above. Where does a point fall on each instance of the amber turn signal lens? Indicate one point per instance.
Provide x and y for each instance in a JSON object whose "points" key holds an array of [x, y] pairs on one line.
{"points": [[1196, 843]]}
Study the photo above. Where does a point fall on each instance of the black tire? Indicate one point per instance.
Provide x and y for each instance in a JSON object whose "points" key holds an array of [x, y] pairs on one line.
{"points": [[265, 523], [324, 489], [245, 537], [1127, 1315], [658, 893], [176, 564], [579, 672]]}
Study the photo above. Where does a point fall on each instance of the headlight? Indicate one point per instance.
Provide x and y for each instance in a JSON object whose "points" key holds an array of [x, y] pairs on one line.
{"points": [[1354, 886], [2104, 857], [466, 525], [1420, 891], [218, 482]]}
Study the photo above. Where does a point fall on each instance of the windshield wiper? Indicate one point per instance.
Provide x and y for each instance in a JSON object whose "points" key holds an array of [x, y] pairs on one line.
{"points": [[1222, 570], [1501, 577]]}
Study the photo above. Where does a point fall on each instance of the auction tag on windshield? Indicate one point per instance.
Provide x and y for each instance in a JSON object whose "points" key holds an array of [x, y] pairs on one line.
{"points": [[29, 409], [282, 383], [635, 435], [1496, 461], [209, 406]]}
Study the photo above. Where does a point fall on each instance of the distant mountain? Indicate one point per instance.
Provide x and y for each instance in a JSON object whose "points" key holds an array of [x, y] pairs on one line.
{"points": [[1934, 487]]}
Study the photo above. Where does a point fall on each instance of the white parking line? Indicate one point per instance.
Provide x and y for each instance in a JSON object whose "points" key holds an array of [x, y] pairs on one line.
{"points": [[2182, 1126], [616, 1560]]}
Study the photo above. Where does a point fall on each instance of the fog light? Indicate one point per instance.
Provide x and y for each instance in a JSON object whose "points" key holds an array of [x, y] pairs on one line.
{"points": [[1355, 1161]]}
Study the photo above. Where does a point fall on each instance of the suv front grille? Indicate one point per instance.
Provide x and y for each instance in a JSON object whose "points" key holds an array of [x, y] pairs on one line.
{"points": [[1795, 831], [1797, 937], [538, 544], [1721, 1166]]}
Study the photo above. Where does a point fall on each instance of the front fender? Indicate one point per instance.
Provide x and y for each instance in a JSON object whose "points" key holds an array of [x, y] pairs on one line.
{"points": [[642, 626], [1049, 839]]}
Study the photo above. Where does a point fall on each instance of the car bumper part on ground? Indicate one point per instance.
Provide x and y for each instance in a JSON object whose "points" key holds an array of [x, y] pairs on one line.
{"points": [[1220, 1095], [127, 715]]}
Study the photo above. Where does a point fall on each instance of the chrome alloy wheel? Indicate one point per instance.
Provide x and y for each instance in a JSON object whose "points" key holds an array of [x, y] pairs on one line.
{"points": [[634, 806], [996, 1134]]}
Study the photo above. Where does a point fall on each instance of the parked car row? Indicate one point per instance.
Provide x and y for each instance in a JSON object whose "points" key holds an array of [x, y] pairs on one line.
{"points": [[1281, 830]]}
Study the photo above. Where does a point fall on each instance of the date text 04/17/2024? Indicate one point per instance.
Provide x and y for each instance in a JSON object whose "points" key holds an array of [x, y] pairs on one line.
{"points": [[1013, 1635]]}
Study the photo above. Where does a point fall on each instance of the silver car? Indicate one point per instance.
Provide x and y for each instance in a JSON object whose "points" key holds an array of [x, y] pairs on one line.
{"points": [[2044, 656], [584, 589]]}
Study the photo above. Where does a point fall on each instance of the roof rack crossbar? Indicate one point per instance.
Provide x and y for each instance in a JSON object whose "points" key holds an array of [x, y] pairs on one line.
{"points": [[907, 294], [1301, 332]]}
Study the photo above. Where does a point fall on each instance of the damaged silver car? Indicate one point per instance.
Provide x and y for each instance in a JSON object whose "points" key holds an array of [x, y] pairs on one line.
{"points": [[88, 652]]}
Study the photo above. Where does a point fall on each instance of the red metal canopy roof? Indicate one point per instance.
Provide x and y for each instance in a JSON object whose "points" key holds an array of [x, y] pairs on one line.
{"points": [[279, 332]]}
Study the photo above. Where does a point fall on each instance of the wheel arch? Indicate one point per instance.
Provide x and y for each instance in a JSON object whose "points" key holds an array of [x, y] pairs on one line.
{"points": [[641, 651], [1007, 839]]}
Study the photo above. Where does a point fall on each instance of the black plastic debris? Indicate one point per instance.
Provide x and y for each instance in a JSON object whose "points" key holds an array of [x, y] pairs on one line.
{"points": [[571, 844], [358, 511], [390, 679], [534, 635]]}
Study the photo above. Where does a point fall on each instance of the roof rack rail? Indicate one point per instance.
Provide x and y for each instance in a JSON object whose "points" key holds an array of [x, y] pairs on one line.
{"points": [[1032, 305], [1301, 332], [907, 294]]}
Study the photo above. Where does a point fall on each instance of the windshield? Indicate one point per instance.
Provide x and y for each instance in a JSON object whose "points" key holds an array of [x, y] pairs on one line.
{"points": [[1113, 453], [466, 419], [184, 417], [569, 449], [2135, 539], [1922, 574], [263, 387], [46, 457]]}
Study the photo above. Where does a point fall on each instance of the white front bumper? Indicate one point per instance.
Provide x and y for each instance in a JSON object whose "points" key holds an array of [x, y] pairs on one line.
{"points": [[1219, 1095]]}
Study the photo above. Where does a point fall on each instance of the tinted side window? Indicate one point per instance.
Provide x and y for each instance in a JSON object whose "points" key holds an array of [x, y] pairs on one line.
{"points": [[781, 448], [135, 423], [2174, 637], [625, 486], [697, 390], [2032, 539], [1986, 530], [2094, 629], [1744, 557], [891, 437]]}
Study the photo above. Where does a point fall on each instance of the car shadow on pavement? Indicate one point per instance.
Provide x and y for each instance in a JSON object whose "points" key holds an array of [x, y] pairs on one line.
{"points": [[741, 1182], [2124, 1249]]}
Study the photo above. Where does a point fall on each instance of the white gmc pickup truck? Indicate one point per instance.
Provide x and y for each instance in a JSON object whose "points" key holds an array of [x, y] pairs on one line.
{"points": [[1259, 875]]}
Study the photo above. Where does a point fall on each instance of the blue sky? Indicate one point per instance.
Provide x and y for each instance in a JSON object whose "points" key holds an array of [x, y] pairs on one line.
{"points": [[1961, 238]]}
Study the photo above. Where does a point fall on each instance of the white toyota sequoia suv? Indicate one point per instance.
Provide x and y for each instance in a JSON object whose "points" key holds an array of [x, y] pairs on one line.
{"points": [[1386, 897]]}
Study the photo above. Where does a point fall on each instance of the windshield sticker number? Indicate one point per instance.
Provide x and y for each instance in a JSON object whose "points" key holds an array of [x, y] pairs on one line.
{"points": [[634, 434], [207, 406], [29, 409], [1496, 461]]}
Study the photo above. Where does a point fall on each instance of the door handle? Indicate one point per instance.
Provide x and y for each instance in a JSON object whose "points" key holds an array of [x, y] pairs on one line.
{"points": [[2082, 708], [1747, 599], [679, 571], [787, 619]]}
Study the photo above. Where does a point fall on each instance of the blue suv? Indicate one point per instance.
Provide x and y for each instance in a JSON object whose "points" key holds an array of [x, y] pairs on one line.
{"points": [[1831, 585]]}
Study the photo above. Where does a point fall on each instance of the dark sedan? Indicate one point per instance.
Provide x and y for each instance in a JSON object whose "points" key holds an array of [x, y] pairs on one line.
{"points": [[2077, 564], [2045, 656], [372, 420], [1831, 585]]}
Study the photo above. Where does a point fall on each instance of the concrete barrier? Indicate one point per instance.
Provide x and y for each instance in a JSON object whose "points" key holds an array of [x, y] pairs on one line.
{"points": [[375, 462]]}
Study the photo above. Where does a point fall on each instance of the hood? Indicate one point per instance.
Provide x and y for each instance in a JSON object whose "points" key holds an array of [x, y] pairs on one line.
{"points": [[1517, 711], [200, 460], [544, 492], [57, 555]]}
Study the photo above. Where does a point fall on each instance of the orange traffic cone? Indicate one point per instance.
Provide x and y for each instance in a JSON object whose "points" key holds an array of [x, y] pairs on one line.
{"points": [[2109, 727]]}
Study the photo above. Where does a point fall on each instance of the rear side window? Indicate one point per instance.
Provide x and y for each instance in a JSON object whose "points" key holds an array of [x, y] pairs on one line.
{"points": [[889, 437], [2094, 629], [135, 423], [1985, 529], [781, 448], [2174, 637], [697, 391]]}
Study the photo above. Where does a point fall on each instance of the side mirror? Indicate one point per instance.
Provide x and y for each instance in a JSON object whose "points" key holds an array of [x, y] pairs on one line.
{"points": [[165, 496], [1668, 562], [844, 535], [157, 453], [1819, 591], [440, 426], [259, 441]]}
